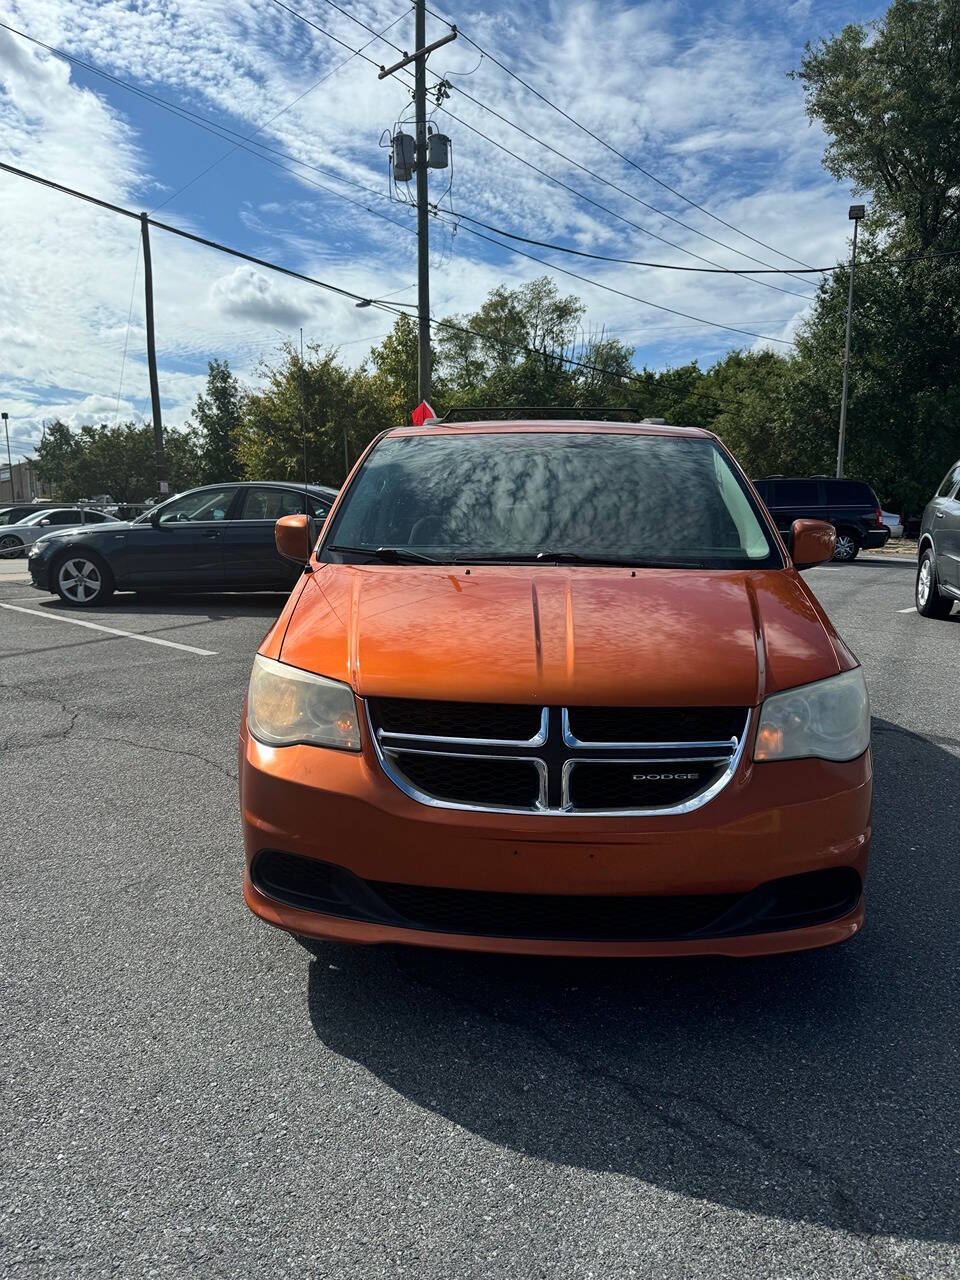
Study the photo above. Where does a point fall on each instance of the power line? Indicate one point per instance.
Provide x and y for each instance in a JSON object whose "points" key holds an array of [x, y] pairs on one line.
{"points": [[126, 336], [716, 324], [606, 208], [542, 172], [275, 116], [609, 146], [622, 190], [203, 240], [569, 159], [676, 266], [636, 262], [224, 132], [297, 275]]}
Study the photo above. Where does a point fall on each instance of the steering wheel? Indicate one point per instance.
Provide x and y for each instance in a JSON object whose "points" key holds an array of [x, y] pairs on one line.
{"points": [[426, 524]]}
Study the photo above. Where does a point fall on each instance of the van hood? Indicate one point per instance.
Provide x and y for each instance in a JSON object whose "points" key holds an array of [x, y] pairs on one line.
{"points": [[558, 635]]}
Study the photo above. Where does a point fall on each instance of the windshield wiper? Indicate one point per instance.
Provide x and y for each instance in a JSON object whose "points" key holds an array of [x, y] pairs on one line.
{"points": [[388, 555], [553, 557]]}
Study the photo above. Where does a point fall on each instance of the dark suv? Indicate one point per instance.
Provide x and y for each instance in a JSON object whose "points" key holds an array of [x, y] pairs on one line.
{"points": [[849, 505], [938, 566]]}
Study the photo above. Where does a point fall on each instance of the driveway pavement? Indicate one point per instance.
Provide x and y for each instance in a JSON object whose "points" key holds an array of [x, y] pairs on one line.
{"points": [[190, 1092]]}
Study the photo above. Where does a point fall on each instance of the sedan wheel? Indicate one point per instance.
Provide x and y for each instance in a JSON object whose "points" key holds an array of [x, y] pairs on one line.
{"points": [[10, 546], [81, 580]]}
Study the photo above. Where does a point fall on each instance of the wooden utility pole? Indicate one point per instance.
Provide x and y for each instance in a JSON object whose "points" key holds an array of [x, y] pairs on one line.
{"points": [[419, 58], [163, 487], [423, 211]]}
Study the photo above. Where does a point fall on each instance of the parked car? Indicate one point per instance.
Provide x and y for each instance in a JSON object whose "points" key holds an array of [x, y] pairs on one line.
{"points": [[938, 565], [14, 538], [10, 515], [216, 538], [849, 505], [893, 523], [556, 688]]}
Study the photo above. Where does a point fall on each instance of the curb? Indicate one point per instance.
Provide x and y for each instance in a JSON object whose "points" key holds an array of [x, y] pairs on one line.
{"points": [[881, 559]]}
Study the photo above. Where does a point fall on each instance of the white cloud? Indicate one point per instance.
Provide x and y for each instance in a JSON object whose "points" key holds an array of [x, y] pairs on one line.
{"points": [[707, 108], [247, 294]]}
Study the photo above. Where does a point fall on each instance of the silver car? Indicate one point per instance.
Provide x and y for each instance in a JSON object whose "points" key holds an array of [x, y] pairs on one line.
{"points": [[15, 538]]}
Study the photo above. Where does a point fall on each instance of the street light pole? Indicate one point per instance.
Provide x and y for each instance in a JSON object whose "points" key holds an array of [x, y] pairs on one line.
{"points": [[6, 427], [855, 214]]}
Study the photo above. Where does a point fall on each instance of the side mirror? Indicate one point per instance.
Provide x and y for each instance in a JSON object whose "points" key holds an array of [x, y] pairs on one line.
{"points": [[294, 539], [811, 543], [44, 523]]}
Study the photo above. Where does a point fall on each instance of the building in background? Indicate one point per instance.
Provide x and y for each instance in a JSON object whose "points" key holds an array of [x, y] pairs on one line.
{"points": [[24, 486]]}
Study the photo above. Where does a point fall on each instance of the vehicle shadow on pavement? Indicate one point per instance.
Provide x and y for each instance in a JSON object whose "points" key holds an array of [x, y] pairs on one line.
{"points": [[818, 1087], [210, 608]]}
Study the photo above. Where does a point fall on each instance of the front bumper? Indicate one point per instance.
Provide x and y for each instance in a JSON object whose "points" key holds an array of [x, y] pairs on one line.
{"points": [[772, 821], [39, 568]]}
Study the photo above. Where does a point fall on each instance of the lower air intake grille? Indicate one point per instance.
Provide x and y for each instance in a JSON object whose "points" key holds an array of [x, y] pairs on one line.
{"points": [[793, 902]]}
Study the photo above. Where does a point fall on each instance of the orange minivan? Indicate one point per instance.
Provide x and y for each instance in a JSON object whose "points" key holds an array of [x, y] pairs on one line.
{"points": [[557, 688]]}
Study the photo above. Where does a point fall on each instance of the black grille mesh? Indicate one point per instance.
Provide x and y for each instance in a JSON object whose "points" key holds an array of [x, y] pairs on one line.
{"points": [[490, 781], [657, 724], [456, 719]]}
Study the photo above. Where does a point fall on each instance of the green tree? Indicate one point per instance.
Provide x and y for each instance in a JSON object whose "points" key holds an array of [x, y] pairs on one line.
{"points": [[57, 456], [334, 410], [509, 350], [218, 417], [904, 415], [888, 95], [395, 364], [118, 460]]}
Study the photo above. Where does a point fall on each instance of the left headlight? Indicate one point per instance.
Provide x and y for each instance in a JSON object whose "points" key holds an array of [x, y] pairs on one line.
{"points": [[286, 706], [829, 719]]}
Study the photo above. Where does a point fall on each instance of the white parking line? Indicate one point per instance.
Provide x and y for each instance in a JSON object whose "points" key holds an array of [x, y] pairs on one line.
{"points": [[912, 609], [113, 631]]}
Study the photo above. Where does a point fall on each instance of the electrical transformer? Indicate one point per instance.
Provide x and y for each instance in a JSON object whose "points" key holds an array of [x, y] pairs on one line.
{"points": [[404, 156], [438, 151]]}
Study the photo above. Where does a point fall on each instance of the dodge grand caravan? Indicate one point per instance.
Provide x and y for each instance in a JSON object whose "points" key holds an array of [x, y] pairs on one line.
{"points": [[556, 688]]}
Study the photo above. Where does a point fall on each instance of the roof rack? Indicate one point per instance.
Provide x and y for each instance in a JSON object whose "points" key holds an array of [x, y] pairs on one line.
{"points": [[511, 412]]}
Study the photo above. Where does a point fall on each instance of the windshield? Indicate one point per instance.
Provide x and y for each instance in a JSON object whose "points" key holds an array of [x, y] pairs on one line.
{"points": [[591, 498]]}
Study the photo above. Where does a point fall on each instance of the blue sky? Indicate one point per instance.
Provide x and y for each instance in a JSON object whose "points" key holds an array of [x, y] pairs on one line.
{"points": [[695, 93]]}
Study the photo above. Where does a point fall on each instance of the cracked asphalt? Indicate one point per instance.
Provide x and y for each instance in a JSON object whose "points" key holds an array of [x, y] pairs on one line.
{"points": [[188, 1091]]}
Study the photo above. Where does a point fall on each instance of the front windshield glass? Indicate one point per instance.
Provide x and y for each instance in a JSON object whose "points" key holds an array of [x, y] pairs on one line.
{"points": [[600, 498]]}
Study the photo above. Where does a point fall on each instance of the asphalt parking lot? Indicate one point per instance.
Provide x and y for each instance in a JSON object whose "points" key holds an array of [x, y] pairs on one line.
{"points": [[188, 1091]]}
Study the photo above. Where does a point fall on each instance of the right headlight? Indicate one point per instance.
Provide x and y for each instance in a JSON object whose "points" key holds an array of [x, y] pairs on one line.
{"points": [[829, 719], [286, 705]]}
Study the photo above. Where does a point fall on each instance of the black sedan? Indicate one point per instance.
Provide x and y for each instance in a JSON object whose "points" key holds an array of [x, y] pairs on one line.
{"points": [[938, 563], [216, 538]]}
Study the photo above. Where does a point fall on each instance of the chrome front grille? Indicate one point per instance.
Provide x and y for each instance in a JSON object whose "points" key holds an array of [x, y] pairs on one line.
{"points": [[557, 760]]}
